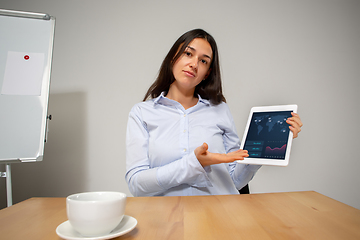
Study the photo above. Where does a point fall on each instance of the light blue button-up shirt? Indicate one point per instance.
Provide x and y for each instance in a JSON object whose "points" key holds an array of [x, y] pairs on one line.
{"points": [[160, 142]]}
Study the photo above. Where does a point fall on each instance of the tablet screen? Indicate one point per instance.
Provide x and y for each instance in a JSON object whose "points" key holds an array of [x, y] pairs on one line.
{"points": [[268, 135]]}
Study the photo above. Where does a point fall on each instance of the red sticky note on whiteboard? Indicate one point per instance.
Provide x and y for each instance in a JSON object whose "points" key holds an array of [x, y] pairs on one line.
{"points": [[23, 74]]}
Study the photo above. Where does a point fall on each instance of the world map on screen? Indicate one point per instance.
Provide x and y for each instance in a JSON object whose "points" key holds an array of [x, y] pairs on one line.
{"points": [[268, 134]]}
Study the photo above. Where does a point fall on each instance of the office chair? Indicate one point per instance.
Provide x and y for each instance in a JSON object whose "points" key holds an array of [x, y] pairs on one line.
{"points": [[245, 189]]}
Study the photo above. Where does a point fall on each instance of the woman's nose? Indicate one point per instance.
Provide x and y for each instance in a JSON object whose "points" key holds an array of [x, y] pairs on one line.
{"points": [[194, 63]]}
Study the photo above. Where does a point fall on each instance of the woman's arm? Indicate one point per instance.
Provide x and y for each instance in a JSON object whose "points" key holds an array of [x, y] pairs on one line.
{"points": [[207, 158], [241, 174]]}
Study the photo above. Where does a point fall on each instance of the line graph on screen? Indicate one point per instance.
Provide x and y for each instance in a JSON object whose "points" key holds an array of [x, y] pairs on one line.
{"points": [[275, 150]]}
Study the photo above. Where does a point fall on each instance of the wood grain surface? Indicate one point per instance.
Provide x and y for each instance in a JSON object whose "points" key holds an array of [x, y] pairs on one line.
{"points": [[291, 215]]}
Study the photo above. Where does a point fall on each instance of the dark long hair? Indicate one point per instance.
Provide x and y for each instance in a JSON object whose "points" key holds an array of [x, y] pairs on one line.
{"points": [[210, 88]]}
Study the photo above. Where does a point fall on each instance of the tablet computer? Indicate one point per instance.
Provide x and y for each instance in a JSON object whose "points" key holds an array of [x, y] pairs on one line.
{"points": [[267, 136]]}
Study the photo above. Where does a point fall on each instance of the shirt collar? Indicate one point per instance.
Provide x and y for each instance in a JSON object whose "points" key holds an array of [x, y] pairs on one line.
{"points": [[161, 99]]}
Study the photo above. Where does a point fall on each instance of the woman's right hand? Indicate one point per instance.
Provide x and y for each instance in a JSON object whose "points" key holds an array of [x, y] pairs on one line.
{"points": [[207, 158]]}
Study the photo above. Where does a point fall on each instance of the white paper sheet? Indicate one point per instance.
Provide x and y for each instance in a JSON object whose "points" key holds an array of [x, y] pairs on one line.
{"points": [[23, 74]]}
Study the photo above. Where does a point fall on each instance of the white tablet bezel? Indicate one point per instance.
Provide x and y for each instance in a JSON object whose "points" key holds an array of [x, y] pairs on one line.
{"points": [[266, 161]]}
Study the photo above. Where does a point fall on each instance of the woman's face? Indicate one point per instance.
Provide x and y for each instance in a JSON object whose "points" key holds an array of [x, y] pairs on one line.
{"points": [[193, 65]]}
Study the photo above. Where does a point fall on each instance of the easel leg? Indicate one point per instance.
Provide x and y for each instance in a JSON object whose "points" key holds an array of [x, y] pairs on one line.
{"points": [[8, 185]]}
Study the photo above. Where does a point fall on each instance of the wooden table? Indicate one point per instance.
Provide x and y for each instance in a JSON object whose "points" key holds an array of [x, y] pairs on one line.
{"points": [[294, 215]]}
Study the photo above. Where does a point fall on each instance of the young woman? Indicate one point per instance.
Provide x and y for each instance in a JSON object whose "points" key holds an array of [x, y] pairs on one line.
{"points": [[181, 140]]}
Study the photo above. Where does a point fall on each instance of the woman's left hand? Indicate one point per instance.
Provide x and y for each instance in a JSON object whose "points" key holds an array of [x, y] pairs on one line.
{"points": [[295, 124]]}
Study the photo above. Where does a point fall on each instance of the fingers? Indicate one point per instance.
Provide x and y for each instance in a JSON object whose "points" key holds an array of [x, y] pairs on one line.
{"points": [[295, 131], [295, 124], [239, 152], [237, 155], [296, 118], [205, 146], [207, 158], [201, 150], [245, 154]]}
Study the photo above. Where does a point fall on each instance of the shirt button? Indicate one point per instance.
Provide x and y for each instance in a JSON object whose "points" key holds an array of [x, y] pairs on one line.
{"points": [[184, 131], [184, 150], [184, 115]]}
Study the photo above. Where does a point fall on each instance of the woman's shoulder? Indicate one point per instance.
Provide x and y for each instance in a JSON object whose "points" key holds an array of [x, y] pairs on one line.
{"points": [[222, 106], [143, 105], [221, 110]]}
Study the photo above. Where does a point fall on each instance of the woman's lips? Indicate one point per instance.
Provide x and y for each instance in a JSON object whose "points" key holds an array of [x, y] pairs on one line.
{"points": [[190, 74]]}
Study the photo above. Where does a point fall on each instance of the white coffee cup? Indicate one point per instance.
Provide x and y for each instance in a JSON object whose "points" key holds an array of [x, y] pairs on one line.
{"points": [[95, 213]]}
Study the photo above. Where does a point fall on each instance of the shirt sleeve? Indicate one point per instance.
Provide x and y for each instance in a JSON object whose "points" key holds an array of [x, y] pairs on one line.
{"points": [[241, 174], [142, 179]]}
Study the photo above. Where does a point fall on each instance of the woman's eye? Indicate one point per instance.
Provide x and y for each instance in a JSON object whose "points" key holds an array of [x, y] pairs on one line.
{"points": [[204, 61], [187, 53]]}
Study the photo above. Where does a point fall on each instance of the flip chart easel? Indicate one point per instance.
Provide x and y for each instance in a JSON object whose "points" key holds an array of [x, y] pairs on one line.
{"points": [[25, 67]]}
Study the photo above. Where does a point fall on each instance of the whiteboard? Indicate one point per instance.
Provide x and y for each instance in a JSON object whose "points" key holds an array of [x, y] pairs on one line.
{"points": [[25, 67]]}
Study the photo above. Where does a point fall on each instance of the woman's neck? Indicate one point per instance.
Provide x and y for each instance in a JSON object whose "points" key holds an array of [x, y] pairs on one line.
{"points": [[186, 99]]}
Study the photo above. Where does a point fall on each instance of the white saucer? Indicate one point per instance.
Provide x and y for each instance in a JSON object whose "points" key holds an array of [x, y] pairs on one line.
{"points": [[66, 231]]}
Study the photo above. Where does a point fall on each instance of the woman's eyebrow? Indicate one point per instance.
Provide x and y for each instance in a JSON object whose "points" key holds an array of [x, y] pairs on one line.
{"points": [[207, 56]]}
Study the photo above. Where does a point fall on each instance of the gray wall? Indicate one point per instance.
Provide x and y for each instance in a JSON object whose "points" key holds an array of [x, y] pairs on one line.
{"points": [[107, 53]]}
